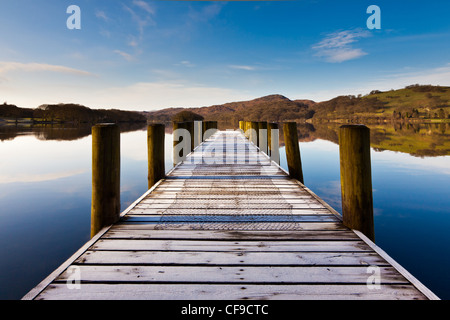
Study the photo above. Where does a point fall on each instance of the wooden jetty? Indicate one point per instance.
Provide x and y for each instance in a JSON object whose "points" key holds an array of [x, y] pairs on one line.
{"points": [[229, 225]]}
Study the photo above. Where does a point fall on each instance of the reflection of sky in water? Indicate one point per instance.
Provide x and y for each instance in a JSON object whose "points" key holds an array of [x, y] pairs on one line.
{"points": [[45, 190]]}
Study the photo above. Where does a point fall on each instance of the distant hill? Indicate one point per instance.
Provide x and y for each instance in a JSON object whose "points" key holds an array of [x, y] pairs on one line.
{"points": [[272, 107], [416, 102], [412, 102], [68, 113]]}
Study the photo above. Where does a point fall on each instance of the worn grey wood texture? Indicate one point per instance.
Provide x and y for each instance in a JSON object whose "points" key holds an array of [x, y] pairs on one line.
{"points": [[227, 223]]}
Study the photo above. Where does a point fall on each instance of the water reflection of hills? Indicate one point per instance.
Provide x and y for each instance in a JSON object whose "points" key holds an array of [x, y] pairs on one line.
{"points": [[58, 132], [417, 139]]}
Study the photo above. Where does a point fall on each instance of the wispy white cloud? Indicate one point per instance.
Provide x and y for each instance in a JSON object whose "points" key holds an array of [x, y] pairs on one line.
{"points": [[144, 6], [125, 55], [133, 42], [8, 66], [338, 46], [101, 15], [143, 17], [187, 63], [242, 67], [206, 13]]}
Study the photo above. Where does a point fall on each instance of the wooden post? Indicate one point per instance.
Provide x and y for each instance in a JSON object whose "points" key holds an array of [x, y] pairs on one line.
{"points": [[180, 148], [242, 125], [246, 127], [293, 151], [209, 127], [356, 178], [189, 126], [206, 126], [262, 136], [204, 129], [105, 207], [253, 134], [198, 133], [176, 126], [273, 137], [155, 148]]}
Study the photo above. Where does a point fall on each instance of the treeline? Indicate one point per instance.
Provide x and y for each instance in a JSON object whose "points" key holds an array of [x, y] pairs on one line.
{"points": [[69, 113], [414, 113], [347, 107]]}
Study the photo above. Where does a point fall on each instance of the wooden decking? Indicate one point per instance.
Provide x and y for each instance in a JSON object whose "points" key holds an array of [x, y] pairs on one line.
{"points": [[229, 225]]}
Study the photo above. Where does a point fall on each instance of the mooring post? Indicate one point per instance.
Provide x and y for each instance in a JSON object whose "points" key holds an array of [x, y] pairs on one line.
{"points": [[356, 178], [175, 126], [183, 147], [262, 136], [155, 148], [209, 128], [204, 129], [294, 161], [253, 134], [198, 133], [273, 143], [189, 126], [242, 125], [105, 207], [246, 127], [206, 126]]}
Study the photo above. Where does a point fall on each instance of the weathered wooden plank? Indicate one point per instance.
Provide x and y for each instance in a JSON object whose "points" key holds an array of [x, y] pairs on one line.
{"points": [[214, 188], [316, 226], [230, 195], [238, 274], [226, 207], [224, 218], [233, 192], [231, 258], [231, 235], [242, 201], [279, 183], [213, 184], [226, 175], [232, 246], [231, 203], [138, 291], [230, 211]]}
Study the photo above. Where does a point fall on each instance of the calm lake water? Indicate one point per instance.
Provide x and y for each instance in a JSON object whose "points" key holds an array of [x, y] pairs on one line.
{"points": [[45, 196]]}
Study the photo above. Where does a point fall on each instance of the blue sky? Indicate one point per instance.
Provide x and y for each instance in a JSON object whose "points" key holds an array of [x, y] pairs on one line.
{"points": [[147, 55]]}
